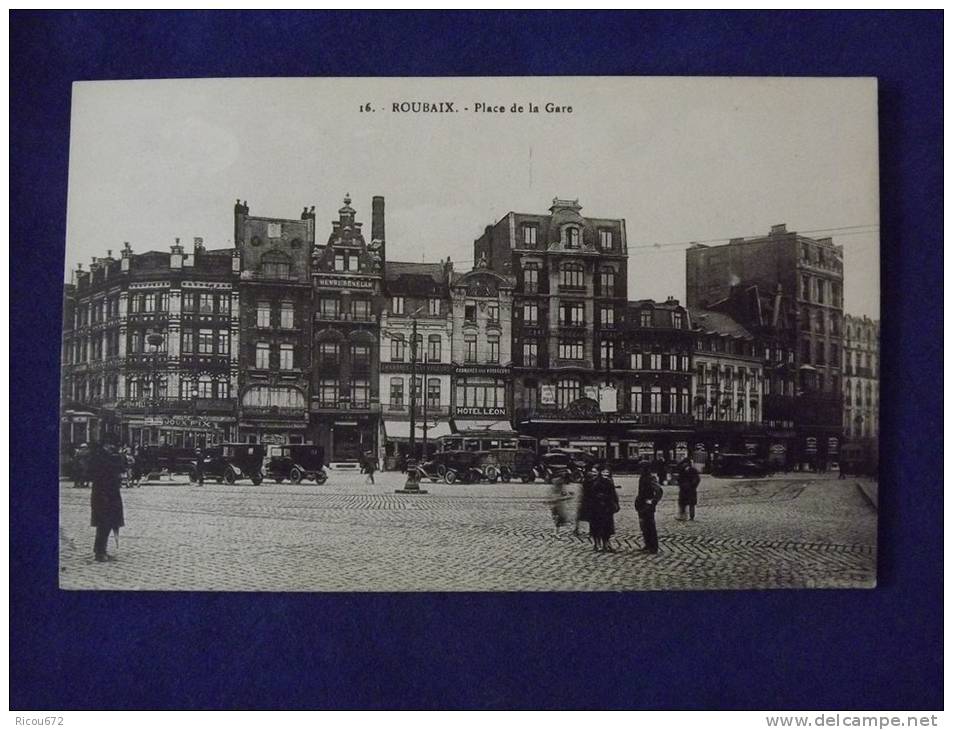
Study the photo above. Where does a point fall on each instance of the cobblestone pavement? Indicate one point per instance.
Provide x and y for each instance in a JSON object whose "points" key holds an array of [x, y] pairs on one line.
{"points": [[791, 531]]}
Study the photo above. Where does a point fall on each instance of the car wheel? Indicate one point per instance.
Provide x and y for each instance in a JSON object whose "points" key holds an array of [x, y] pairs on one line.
{"points": [[295, 476], [320, 478], [256, 479], [450, 476], [441, 471], [491, 473], [575, 476], [229, 477], [193, 477]]}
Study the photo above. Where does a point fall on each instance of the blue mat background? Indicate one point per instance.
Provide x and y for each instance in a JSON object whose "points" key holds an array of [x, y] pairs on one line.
{"points": [[781, 649]]}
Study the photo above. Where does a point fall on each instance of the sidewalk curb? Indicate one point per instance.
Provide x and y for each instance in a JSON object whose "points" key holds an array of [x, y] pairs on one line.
{"points": [[868, 494]]}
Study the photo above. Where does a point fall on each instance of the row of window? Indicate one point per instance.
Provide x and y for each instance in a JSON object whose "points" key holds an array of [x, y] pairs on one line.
{"points": [[571, 237], [820, 291], [204, 386], [329, 353], [264, 315], [330, 392], [398, 306], [572, 275], [820, 353], [400, 348], [330, 308], [397, 392], [641, 399], [264, 352]]}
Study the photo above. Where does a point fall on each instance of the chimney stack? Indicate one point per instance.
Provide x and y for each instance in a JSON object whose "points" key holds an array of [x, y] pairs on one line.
{"points": [[377, 218], [199, 243], [779, 230]]}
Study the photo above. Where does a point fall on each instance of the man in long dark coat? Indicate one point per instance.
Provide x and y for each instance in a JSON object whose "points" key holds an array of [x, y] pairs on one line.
{"points": [[688, 480], [105, 471], [650, 493]]}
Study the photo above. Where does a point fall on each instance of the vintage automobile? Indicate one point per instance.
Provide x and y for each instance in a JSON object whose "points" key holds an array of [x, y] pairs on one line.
{"points": [[295, 462], [516, 464], [571, 463], [467, 467], [230, 462], [738, 465], [167, 459]]}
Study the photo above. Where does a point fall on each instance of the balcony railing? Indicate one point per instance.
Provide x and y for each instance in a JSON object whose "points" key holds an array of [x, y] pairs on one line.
{"points": [[404, 409], [274, 411], [365, 406], [173, 405], [320, 316]]}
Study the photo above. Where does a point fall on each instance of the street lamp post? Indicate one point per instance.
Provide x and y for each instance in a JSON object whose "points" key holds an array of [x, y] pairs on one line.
{"points": [[412, 485], [156, 340]]}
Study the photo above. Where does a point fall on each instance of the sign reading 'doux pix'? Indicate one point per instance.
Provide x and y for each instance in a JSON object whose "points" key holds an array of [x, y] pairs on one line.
{"points": [[473, 214]]}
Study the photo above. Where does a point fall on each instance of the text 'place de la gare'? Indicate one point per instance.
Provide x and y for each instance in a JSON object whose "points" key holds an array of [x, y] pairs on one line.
{"points": [[302, 332]]}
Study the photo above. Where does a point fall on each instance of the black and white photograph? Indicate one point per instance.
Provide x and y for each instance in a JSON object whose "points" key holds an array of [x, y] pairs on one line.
{"points": [[471, 334]]}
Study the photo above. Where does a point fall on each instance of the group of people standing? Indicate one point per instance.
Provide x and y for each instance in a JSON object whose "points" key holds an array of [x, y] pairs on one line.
{"points": [[597, 503]]}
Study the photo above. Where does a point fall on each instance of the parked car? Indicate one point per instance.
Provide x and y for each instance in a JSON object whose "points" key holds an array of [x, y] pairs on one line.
{"points": [[565, 462], [738, 465], [169, 459], [516, 464], [230, 462], [295, 462], [468, 467]]}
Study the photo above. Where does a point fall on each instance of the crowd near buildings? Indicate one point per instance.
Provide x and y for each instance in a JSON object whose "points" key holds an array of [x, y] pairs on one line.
{"points": [[305, 332]]}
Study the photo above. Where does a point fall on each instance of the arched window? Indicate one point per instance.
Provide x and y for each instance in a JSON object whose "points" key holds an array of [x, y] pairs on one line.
{"points": [[205, 387], [572, 276], [276, 265]]}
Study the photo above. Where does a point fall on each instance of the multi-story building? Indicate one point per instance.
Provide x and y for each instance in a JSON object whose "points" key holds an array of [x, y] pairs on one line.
{"points": [[654, 367], [482, 320], [568, 302], [417, 299], [804, 277], [273, 257], [861, 378], [727, 391], [150, 347], [347, 276]]}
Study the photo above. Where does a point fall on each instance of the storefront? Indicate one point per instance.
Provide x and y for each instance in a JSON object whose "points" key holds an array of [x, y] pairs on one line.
{"points": [[346, 438], [396, 440], [178, 431]]}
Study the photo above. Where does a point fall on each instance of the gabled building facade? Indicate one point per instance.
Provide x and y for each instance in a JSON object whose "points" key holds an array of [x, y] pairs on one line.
{"points": [[347, 274]]}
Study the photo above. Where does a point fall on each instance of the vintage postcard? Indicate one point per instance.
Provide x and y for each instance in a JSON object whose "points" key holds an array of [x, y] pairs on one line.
{"points": [[471, 334]]}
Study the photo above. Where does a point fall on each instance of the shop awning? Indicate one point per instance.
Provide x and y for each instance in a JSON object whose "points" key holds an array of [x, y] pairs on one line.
{"points": [[483, 426], [396, 430]]}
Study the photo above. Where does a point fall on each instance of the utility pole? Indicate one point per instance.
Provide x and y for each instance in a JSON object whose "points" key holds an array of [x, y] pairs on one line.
{"points": [[608, 383], [423, 389]]}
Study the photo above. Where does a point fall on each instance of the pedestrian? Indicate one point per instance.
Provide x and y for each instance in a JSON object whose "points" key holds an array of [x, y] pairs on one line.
{"points": [[583, 504], [560, 502], [106, 513], [841, 469], [370, 466], [81, 467], [661, 469], [649, 495], [199, 468], [688, 480], [604, 503]]}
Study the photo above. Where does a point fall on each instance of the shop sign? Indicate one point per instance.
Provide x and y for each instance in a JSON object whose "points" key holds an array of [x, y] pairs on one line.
{"points": [[341, 282], [608, 399], [810, 445], [480, 411], [645, 448], [273, 438], [547, 395], [482, 370]]}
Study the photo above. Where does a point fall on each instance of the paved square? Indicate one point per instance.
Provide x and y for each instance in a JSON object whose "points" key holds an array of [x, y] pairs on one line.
{"points": [[791, 531]]}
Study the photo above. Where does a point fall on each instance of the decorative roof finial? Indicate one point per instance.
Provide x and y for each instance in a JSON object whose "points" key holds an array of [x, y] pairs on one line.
{"points": [[347, 198]]}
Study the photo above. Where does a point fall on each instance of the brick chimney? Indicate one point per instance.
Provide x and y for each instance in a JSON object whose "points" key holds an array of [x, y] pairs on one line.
{"points": [[779, 230], [126, 259], [377, 218], [175, 261]]}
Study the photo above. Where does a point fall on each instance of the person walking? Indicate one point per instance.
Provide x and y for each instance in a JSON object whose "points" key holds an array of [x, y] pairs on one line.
{"points": [[648, 497], [81, 467], [604, 503], [199, 468], [560, 502], [661, 469], [584, 503], [370, 466], [106, 513], [688, 480]]}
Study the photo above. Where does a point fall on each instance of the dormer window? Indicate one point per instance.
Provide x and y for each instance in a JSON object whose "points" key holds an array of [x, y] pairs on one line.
{"points": [[677, 320], [572, 238], [605, 239], [645, 318], [529, 235]]}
